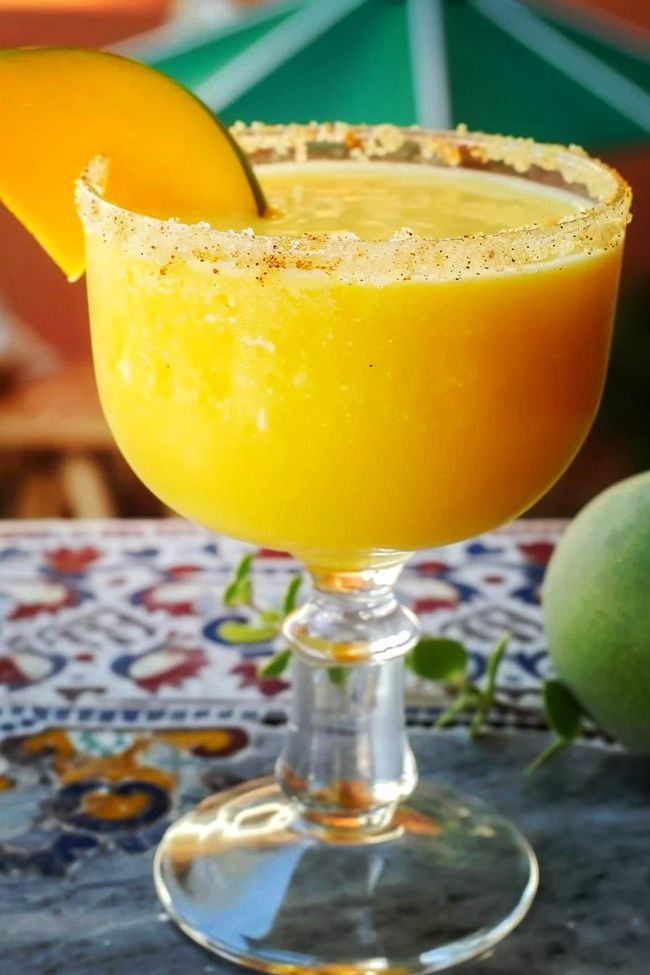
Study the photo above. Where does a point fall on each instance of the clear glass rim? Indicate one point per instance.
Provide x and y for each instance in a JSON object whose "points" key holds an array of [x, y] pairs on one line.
{"points": [[405, 256]]}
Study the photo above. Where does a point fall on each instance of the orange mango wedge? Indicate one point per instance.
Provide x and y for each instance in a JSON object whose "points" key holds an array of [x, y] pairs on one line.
{"points": [[168, 156]]}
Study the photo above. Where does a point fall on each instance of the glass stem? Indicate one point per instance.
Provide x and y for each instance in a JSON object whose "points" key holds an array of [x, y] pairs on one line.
{"points": [[346, 758]]}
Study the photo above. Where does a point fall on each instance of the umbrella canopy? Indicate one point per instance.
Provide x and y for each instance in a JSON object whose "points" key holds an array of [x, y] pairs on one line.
{"points": [[566, 72]]}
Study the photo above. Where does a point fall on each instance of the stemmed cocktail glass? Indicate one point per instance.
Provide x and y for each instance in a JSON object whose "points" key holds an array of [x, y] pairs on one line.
{"points": [[352, 401]]}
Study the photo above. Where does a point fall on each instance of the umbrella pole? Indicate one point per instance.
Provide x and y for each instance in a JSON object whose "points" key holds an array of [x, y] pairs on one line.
{"points": [[429, 58], [588, 71]]}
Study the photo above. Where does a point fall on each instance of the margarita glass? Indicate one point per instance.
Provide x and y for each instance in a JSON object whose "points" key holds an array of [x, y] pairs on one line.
{"points": [[351, 400]]}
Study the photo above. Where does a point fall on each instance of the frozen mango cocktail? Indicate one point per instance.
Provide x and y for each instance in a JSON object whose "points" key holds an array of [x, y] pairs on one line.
{"points": [[356, 371]]}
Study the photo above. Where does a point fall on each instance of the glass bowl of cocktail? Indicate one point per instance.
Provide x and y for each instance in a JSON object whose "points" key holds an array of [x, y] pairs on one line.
{"points": [[407, 348]]}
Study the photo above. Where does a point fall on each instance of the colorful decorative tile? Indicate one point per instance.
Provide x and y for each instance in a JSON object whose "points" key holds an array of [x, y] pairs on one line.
{"points": [[67, 796], [120, 624]]}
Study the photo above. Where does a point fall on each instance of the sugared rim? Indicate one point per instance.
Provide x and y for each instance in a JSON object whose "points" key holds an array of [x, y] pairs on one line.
{"points": [[405, 256]]}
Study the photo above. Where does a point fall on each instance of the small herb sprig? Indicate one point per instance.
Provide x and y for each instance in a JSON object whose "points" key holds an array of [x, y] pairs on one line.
{"points": [[267, 621], [446, 661], [565, 717], [438, 659]]}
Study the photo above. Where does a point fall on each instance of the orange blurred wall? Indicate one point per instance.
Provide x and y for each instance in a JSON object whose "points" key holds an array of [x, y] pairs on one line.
{"points": [[38, 293], [91, 23]]}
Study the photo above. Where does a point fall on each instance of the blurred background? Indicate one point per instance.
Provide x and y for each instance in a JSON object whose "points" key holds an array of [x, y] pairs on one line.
{"points": [[558, 70]]}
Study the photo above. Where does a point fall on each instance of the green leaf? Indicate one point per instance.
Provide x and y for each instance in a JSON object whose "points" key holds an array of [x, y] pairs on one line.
{"points": [[464, 702], [562, 710], [486, 696], [238, 593], [478, 718], [271, 616], [234, 632], [276, 665], [564, 715], [494, 662], [336, 675], [437, 658], [243, 570], [291, 595], [556, 746]]}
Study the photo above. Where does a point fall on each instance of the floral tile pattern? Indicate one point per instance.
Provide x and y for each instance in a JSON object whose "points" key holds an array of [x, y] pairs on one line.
{"points": [[120, 624]]}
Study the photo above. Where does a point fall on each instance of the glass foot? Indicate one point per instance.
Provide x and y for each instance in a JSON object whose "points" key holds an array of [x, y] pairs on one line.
{"points": [[245, 876]]}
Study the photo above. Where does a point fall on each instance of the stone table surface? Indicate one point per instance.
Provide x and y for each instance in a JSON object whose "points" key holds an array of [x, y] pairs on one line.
{"points": [[586, 816]]}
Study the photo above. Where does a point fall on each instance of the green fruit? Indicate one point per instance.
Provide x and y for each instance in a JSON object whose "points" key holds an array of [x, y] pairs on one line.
{"points": [[596, 605]]}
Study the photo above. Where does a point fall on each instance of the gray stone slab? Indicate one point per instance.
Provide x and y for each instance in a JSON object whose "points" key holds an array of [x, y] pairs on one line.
{"points": [[587, 815]]}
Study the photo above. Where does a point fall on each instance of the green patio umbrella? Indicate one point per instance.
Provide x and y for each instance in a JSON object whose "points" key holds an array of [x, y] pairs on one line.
{"points": [[500, 65]]}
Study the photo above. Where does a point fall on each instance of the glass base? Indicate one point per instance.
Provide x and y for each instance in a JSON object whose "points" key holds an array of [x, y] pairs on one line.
{"points": [[245, 876]]}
